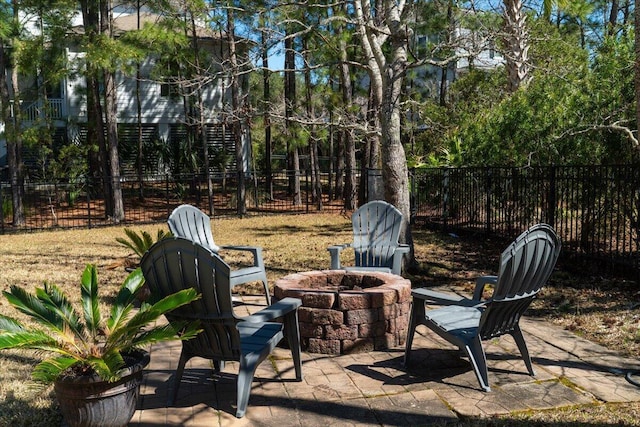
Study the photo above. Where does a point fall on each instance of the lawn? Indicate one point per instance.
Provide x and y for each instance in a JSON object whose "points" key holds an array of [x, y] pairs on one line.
{"points": [[601, 309]]}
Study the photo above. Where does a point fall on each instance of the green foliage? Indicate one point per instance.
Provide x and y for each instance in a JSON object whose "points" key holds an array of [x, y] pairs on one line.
{"points": [[85, 342], [140, 243], [574, 111], [7, 207]]}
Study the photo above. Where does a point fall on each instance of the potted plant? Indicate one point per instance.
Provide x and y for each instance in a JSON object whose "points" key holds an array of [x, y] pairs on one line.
{"points": [[95, 363], [139, 243]]}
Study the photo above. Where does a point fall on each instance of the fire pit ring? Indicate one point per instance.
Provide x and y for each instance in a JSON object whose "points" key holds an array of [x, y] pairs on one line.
{"points": [[347, 312]]}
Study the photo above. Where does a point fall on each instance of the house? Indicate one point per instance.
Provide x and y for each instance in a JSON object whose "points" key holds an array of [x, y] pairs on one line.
{"points": [[162, 114], [470, 49]]}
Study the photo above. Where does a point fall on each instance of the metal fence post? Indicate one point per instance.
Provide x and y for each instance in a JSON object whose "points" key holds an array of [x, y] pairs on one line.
{"points": [[1, 209], [552, 197], [89, 203]]}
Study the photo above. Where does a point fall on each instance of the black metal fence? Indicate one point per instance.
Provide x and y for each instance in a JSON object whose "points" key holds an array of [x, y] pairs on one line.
{"points": [[595, 209], [82, 204]]}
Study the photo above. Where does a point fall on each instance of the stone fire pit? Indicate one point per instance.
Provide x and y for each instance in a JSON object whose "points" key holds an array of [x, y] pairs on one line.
{"points": [[347, 311]]}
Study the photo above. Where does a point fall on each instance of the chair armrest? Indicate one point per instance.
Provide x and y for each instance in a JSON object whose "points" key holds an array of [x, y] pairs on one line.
{"points": [[398, 254], [334, 251], [481, 282], [440, 298], [275, 311], [255, 250]]}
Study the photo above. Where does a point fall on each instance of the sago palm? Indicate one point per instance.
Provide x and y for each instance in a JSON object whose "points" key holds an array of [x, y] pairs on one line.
{"points": [[88, 343]]}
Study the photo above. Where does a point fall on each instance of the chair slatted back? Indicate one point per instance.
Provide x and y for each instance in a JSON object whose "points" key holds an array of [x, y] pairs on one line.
{"points": [[525, 266], [191, 223], [176, 263], [376, 231]]}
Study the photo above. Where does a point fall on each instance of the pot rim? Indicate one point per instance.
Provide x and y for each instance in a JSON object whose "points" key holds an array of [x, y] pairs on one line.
{"points": [[142, 359]]}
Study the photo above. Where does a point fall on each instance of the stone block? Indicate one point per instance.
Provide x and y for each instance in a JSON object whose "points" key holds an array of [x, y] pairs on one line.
{"points": [[321, 316], [305, 315], [370, 330], [384, 342], [357, 317], [389, 311], [308, 330], [353, 300], [318, 299], [403, 289], [382, 296], [341, 332]]}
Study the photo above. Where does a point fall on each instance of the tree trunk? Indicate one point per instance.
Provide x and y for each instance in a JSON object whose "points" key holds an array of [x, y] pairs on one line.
{"points": [[111, 121], [314, 164], [386, 85], [517, 45], [241, 204], [636, 24], [12, 137], [266, 95], [349, 193], [95, 122], [293, 159], [139, 156]]}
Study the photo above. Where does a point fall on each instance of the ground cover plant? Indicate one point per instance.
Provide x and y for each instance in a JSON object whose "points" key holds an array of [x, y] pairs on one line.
{"points": [[603, 309]]}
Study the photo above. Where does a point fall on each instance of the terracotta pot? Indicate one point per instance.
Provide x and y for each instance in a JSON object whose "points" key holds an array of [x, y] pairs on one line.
{"points": [[89, 401]]}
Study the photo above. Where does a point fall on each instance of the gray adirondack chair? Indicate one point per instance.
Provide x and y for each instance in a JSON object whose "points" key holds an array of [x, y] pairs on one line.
{"points": [[191, 223], [176, 263], [525, 266], [376, 231]]}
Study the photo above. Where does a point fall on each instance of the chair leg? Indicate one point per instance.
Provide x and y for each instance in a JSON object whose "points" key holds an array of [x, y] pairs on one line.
{"points": [[248, 366], [292, 332], [218, 366], [417, 312], [479, 362], [177, 377], [524, 351], [266, 290]]}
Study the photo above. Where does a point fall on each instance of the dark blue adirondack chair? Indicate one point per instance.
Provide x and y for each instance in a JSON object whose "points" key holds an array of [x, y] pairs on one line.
{"points": [[191, 223], [376, 233], [176, 263], [525, 266]]}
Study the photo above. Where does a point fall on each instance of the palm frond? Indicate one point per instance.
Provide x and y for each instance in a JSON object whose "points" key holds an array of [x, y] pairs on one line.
{"points": [[140, 243], [175, 331], [49, 370], [130, 287], [52, 297], [90, 301], [108, 365], [150, 313], [26, 339], [30, 305], [135, 242], [10, 324]]}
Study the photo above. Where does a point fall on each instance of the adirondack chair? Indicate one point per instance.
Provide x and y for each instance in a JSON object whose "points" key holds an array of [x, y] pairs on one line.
{"points": [[191, 223], [525, 266], [376, 230], [176, 263]]}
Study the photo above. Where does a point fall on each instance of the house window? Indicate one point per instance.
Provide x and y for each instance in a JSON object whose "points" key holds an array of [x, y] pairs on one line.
{"points": [[168, 90]]}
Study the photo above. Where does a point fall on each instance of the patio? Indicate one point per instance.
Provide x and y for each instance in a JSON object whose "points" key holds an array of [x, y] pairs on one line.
{"points": [[374, 389]]}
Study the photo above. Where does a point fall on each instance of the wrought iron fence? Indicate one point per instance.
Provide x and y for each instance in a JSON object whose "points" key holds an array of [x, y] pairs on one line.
{"points": [[595, 209], [81, 204]]}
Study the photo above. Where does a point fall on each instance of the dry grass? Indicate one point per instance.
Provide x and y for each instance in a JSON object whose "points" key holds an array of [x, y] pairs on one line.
{"points": [[602, 310]]}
